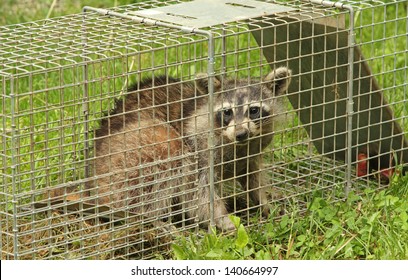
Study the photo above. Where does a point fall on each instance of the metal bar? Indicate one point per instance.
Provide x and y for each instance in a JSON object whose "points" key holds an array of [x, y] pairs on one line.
{"points": [[14, 171], [350, 111], [210, 70], [85, 107]]}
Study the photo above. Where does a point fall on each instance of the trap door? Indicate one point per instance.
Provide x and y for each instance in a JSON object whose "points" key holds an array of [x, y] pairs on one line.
{"points": [[207, 13], [317, 52]]}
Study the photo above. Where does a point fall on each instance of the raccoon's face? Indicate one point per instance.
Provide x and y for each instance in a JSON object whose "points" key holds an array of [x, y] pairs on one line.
{"points": [[243, 112], [240, 121]]}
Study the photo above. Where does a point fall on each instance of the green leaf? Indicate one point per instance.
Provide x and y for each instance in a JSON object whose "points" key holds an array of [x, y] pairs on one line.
{"points": [[284, 222], [373, 218], [301, 240], [215, 254], [242, 237], [404, 218], [178, 252], [248, 252], [262, 255], [235, 220]]}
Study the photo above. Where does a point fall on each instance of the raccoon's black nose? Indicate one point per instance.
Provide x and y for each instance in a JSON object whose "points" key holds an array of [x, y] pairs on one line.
{"points": [[241, 136]]}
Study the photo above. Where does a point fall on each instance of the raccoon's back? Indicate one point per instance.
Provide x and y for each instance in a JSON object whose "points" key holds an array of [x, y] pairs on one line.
{"points": [[162, 98]]}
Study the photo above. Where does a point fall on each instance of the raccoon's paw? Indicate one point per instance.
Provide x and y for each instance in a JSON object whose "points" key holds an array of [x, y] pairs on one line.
{"points": [[266, 210], [224, 223]]}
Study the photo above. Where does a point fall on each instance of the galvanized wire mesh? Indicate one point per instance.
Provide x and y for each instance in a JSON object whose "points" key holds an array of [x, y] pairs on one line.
{"points": [[66, 83]]}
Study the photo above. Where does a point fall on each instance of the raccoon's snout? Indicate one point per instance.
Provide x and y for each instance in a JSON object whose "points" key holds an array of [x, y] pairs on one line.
{"points": [[241, 136], [236, 134]]}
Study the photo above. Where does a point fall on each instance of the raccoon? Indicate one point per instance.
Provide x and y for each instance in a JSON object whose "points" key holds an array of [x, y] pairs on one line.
{"points": [[244, 120], [151, 152]]}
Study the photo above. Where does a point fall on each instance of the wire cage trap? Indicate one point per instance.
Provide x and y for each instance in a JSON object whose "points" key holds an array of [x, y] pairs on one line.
{"points": [[116, 124]]}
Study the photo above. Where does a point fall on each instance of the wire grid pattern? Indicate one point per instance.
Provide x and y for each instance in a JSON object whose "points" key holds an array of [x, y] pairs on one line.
{"points": [[60, 78]]}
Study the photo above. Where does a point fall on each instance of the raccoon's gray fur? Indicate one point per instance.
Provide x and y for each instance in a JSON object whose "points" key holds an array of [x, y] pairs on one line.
{"points": [[145, 156], [139, 156]]}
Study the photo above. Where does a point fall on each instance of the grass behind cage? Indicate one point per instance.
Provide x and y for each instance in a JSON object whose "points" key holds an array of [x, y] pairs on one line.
{"points": [[384, 46]]}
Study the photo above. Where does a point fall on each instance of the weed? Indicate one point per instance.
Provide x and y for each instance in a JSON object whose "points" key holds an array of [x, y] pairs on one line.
{"points": [[371, 225]]}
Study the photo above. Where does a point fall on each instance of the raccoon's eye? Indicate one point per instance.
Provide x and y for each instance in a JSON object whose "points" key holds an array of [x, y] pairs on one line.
{"points": [[225, 116], [228, 112], [254, 112]]}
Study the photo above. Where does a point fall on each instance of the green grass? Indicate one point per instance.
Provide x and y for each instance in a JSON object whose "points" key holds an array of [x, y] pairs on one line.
{"points": [[19, 11], [371, 224]]}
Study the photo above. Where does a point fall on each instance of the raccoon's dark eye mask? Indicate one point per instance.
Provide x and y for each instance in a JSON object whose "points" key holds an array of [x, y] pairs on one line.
{"points": [[226, 115], [254, 112]]}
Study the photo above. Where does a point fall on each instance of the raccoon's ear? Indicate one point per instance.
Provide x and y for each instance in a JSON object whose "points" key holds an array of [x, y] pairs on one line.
{"points": [[278, 80], [202, 83]]}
